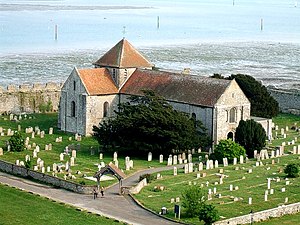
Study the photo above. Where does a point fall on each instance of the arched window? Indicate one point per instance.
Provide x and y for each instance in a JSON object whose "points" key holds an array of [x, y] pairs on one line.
{"points": [[73, 109], [232, 115], [105, 109]]}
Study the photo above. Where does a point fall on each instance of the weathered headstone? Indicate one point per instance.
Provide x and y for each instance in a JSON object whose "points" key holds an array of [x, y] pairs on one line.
{"points": [[149, 156], [42, 134], [250, 201], [234, 161], [175, 171], [230, 187], [186, 168], [200, 166], [72, 161], [175, 160], [190, 158], [51, 130], [48, 169], [34, 154], [269, 183], [101, 156], [191, 167], [115, 156], [74, 153], [161, 158], [1, 151], [61, 157], [241, 159], [207, 165]]}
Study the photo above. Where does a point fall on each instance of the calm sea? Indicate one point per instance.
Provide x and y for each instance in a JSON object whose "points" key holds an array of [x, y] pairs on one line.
{"points": [[256, 37]]}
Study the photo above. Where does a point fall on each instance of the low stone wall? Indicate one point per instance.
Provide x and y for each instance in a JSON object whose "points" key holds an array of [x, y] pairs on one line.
{"points": [[139, 186], [29, 98], [262, 215], [45, 178], [289, 100]]}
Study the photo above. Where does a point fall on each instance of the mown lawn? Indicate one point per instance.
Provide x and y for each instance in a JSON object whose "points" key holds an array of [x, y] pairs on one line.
{"points": [[85, 162], [249, 184], [19, 207]]}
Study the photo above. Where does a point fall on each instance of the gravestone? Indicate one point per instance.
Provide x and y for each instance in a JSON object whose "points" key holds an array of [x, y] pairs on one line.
{"points": [[225, 162], [272, 154], [61, 157], [74, 153], [200, 166], [269, 183], [207, 165], [271, 191], [34, 154], [175, 160], [190, 158], [191, 167], [169, 161], [101, 156], [43, 169], [1, 151], [67, 167], [17, 162], [175, 171], [183, 156], [149, 157], [180, 161], [115, 156], [282, 131], [177, 199], [234, 161], [50, 147], [241, 159], [51, 130], [186, 168], [230, 187], [211, 164], [266, 197], [19, 128], [46, 147], [42, 134], [72, 161], [32, 135], [48, 169], [161, 158]]}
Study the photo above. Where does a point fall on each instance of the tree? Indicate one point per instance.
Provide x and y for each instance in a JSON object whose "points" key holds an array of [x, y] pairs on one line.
{"points": [[208, 214], [262, 103], [251, 135], [149, 123], [292, 170], [227, 149], [17, 142], [193, 199]]}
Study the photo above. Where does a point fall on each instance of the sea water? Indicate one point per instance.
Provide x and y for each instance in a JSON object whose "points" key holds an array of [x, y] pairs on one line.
{"points": [[256, 37]]}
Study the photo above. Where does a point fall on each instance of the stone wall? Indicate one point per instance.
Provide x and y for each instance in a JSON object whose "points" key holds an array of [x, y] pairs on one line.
{"points": [[289, 100], [28, 98], [45, 178], [262, 215]]}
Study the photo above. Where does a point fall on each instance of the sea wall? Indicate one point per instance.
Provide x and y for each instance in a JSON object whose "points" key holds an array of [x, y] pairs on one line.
{"points": [[262, 215], [289, 100], [30, 98], [45, 178]]}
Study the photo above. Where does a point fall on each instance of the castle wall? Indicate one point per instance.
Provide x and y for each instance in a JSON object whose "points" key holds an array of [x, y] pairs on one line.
{"points": [[29, 98]]}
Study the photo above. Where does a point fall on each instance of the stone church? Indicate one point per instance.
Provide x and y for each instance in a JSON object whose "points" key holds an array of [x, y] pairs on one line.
{"points": [[90, 96]]}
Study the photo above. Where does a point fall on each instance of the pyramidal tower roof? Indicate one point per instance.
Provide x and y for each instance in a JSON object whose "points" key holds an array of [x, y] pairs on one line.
{"points": [[123, 55]]}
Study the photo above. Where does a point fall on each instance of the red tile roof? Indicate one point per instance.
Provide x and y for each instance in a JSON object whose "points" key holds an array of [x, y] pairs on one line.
{"points": [[123, 55], [97, 81], [176, 87]]}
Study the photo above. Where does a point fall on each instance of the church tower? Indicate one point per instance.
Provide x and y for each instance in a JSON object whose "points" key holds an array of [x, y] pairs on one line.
{"points": [[121, 61]]}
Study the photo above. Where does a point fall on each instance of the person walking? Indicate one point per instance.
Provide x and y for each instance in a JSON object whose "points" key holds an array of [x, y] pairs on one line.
{"points": [[95, 193], [102, 192]]}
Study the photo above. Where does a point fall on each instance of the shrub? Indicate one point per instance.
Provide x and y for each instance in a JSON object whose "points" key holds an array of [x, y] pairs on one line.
{"points": [[27, 164], [292, 170], [82, 182], [228, 149], [208, 214], [149, 177], [17, 142], [192, 200], [251, 135]]}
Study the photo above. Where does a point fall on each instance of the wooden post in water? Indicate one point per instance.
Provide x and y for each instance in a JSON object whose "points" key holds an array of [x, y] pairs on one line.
{"points": [[55, 32], [157, 22], [261, 24]]}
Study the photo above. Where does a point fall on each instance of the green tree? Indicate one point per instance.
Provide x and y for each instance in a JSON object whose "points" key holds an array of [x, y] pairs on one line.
{"points": [[251, 135], [149, 123], [262, 103], [193, 199], [17, 142], [227, 149], [208, 214], [292, 170]]}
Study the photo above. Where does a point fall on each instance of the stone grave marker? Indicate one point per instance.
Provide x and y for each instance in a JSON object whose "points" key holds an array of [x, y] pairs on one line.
{"points": [[17, 162], [101, 156], [51, 130], [207, 165], [175, 160], [149, 157], [54, 167], [175, 171], [72, 161], [186, 168], [61, 157], [241, 159], [190, 158], [200, 166], [48, 169], [191, 167], [42, 134], [161, 158], [183, 156], [34, 154], [234, 161], [74, 153], [1, 151], [115, 156]]}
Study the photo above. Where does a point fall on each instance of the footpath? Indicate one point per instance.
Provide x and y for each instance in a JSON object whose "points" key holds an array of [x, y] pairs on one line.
{"points": [[112, 205]]}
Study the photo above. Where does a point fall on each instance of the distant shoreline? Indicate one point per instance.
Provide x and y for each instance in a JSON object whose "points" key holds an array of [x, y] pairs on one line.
{"points": [[33, 7]]}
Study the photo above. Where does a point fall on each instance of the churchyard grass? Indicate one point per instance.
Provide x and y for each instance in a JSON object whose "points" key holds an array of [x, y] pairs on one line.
{"points": [[233, 203], [285, 220], [19, 207], [84, 162]]}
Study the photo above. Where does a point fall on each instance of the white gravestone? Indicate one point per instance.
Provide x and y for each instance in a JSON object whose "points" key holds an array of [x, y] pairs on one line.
{"points": [[61, 157], [115, 156], [175, 171], [74, 153], [72, 161], [186, 168], [191, 165], [234, 161], [161, 158], [101, 156], [175, 160], [216, 164], [149, 157], [51, 130], [200, 167]]}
